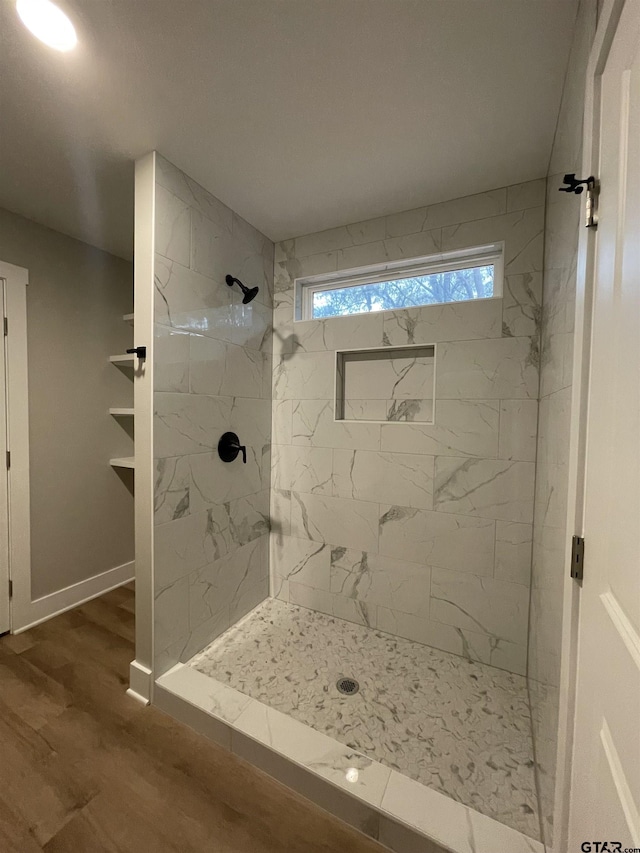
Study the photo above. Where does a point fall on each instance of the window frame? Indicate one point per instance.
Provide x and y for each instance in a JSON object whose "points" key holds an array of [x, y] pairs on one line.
{"points": [[307, 286]]}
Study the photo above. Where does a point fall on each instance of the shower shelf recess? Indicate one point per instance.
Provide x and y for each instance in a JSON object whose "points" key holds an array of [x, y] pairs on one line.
{"points": [[124, 358], [122, 411]]}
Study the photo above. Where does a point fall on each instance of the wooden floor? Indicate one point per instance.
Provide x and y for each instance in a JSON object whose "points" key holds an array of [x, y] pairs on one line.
{"points": [[85, 768]]}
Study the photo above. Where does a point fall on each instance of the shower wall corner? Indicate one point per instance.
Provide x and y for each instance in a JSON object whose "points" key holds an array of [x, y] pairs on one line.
{"points": [[203, 524]]}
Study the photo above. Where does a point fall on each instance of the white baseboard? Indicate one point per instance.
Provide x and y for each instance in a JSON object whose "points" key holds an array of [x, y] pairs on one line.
{"points": [[140, 682], [72, 596]]}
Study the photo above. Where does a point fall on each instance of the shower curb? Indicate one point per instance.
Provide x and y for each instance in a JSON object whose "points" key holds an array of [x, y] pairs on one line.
{"points": [[381, 803]]}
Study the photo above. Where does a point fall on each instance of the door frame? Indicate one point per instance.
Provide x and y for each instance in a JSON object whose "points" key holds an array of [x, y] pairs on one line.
{"points": [[585, 282], [16, 280]]}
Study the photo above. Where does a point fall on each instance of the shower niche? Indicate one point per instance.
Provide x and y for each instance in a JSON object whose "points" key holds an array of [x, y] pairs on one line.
{"points": [[388, 384]]}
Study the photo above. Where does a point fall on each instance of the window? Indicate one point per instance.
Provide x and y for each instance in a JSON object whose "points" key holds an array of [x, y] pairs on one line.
{"points": [[435, 280]]}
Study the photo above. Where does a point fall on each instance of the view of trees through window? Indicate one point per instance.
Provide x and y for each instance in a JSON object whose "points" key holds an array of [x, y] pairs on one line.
{"points": [[449, 286]]}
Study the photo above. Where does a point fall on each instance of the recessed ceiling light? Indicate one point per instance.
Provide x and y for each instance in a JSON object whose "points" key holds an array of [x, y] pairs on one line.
{"points": [[48, 23]]}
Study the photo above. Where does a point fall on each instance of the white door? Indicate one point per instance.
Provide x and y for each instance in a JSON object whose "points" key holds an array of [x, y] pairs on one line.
{"points": [[5, 620], [605, 791]]}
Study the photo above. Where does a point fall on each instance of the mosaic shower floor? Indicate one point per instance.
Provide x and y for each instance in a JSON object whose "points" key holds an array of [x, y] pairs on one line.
{"points": [[460, 727]]}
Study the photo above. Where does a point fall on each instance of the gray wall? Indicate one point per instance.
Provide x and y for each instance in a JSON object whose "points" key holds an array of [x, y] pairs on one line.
{"points": [[420, 530], [212, 366], [563, 221], [81, 509]]}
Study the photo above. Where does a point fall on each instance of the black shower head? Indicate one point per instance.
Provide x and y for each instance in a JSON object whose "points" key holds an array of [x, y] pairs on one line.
{"points": [[249, 293]]}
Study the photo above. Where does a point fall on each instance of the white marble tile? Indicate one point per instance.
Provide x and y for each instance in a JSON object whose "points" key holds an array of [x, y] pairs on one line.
{"points": [[202, 633], [463, 728], [302, 469], [215, 482], [529, 194], [486, 605], [170, 359], [522, 232], [223, 583], [212, 696], [371, 475], [188, 423], [281, 421], [307, 376], [487, 369], [471, 645], [513, 552], [368, 231], [208, 365], [301, 560], [173, 227], [184, 299], [465, 209], [459, 542], [172, 489], [373, 579], [281, 512], [186, 544], [395, 836], [211, 247], [454, 322], [313, 424], [392, 249], [251, 324], [400, 375], [353, 610], [170, 613], [248, 597], [490, 836], [191, 193], [322, 242], [359, 332], [491, 488], [372, 410], [518, 430], [310, 597], [316, 751], [439, 817], [522, 304], [243, 372], [248, 518], [328, 519], [461, 428]]}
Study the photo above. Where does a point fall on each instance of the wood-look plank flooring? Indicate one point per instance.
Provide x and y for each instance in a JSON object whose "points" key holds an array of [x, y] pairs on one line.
{"points": [[87, 769]]}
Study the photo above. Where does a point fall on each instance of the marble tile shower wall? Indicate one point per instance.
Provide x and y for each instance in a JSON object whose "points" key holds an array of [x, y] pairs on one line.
{"points": [[420, 530], [562, 225], [212, 373]]}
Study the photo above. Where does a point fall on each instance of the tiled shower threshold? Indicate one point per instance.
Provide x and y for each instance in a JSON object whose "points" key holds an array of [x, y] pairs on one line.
{"points": [[403, 814]]}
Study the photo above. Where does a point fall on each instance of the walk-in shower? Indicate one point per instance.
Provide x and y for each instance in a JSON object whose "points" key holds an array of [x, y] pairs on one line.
{"points": [[342, 580]]}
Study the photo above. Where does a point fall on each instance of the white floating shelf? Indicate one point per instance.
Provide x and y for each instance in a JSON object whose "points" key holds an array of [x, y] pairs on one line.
{"points": [[125, 358], [128, 318], [121, 412], [123, 462]]}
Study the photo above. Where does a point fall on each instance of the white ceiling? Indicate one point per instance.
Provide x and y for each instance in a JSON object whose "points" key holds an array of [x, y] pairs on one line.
{"points": [[299, 114]]}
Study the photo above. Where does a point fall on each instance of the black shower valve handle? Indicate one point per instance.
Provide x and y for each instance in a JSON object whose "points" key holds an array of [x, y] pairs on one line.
{"points": [[229, 446]]}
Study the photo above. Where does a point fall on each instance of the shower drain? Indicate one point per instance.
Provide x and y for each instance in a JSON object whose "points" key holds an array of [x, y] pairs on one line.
{"points": [[348, 686]]}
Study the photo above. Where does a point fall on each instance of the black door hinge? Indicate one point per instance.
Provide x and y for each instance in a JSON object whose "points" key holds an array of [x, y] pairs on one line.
{"points": [[577, 186], [577, 558], [8, 459], [10, 589], [6, 326]]}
